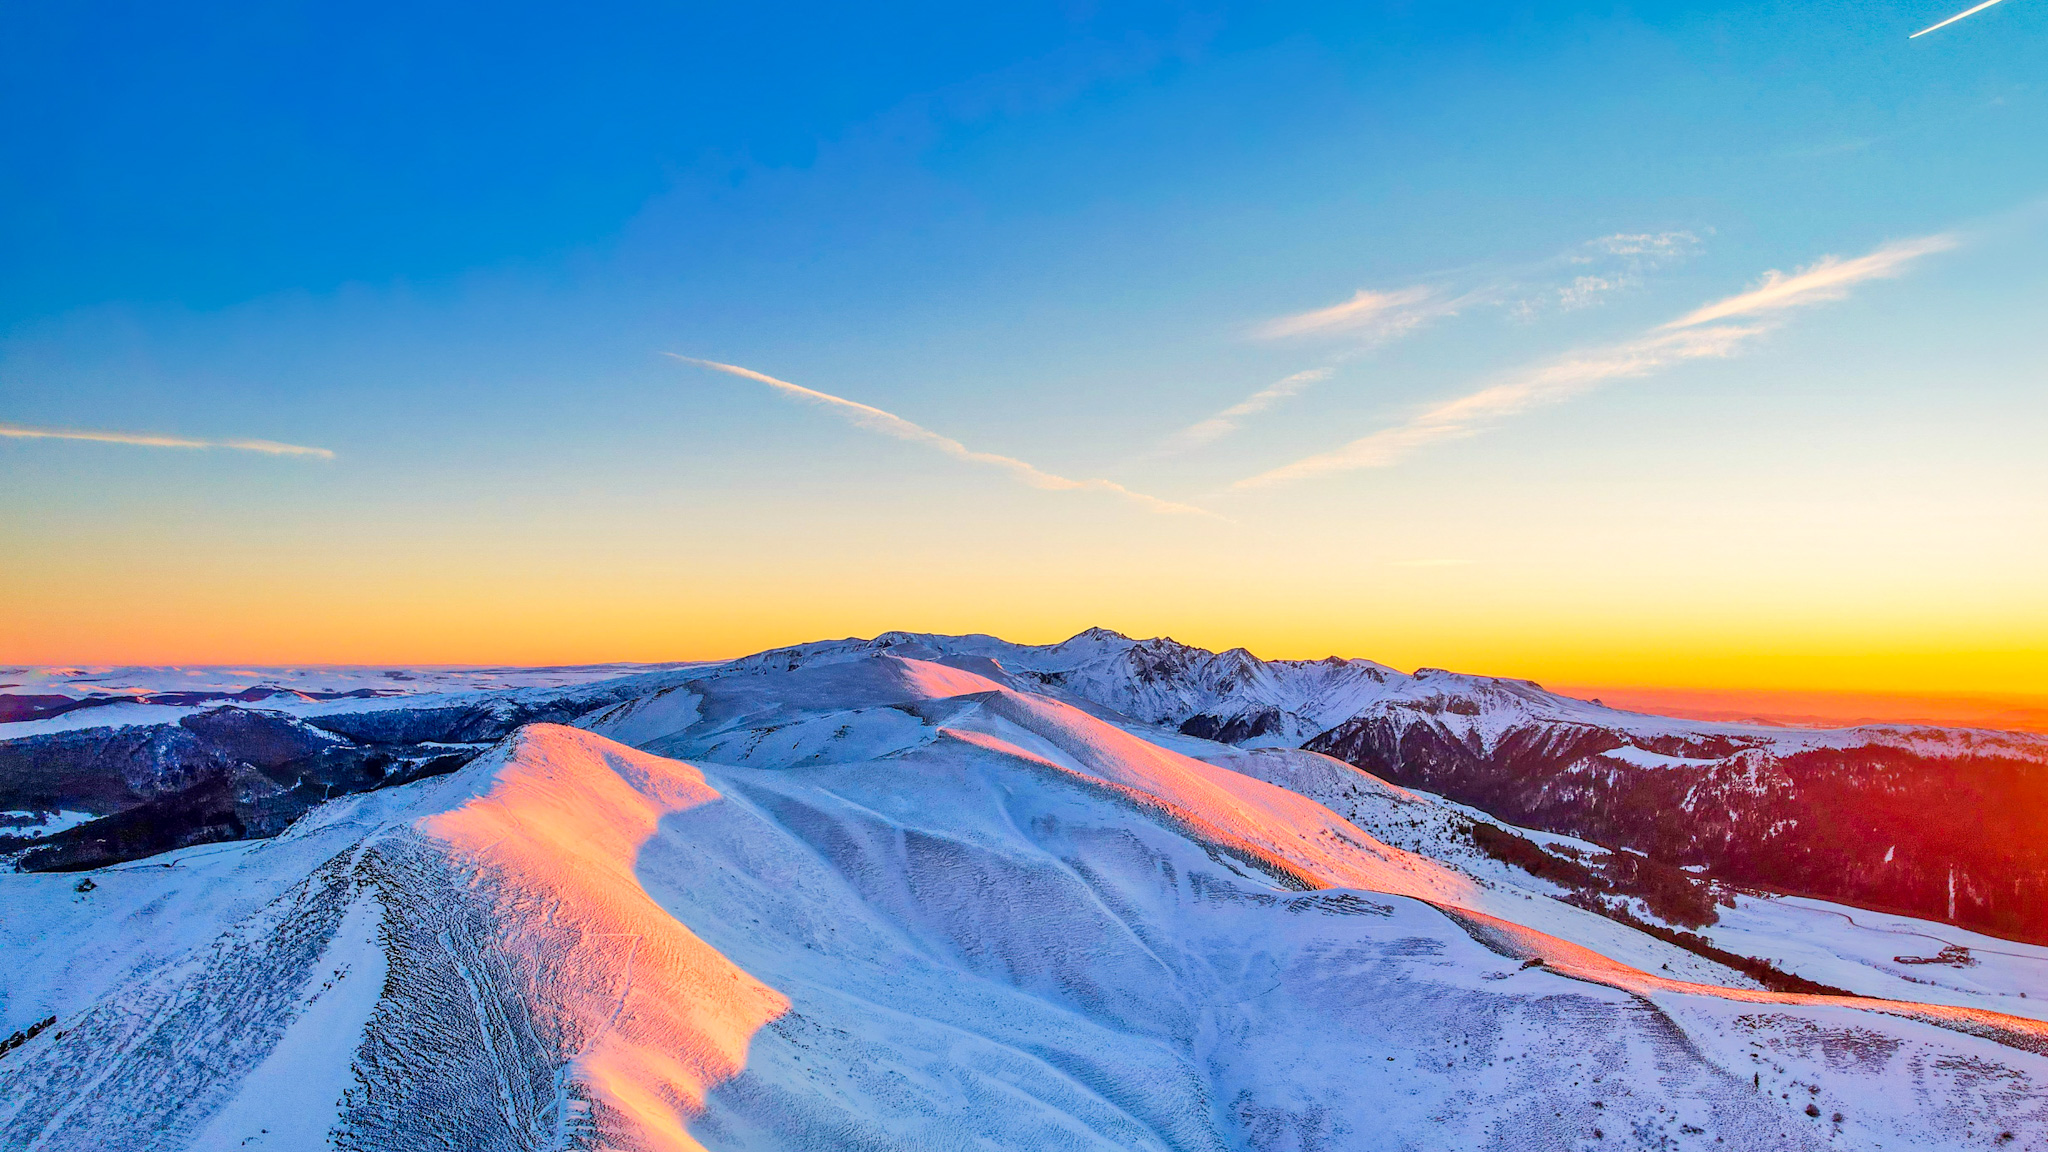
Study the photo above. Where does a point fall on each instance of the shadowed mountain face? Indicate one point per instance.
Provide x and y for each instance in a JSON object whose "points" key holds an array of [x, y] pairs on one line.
{"points": [[1946, 823], [1943, 828], [227, 772], [220, 774]]}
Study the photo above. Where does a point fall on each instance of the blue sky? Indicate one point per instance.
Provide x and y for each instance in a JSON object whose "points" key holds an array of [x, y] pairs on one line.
{"points": [[448, 246]]}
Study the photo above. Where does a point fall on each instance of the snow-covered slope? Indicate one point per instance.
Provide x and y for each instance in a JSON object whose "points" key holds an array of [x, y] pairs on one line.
{"points": [[893, 903]]}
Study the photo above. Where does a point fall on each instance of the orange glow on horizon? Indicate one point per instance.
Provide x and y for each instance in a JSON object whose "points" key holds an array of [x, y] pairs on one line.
{"points": [[506, 602], [1810, 709], [1827, 682]]}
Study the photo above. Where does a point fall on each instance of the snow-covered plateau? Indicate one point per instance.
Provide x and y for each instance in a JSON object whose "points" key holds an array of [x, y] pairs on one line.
{"points": [[948, 892]]}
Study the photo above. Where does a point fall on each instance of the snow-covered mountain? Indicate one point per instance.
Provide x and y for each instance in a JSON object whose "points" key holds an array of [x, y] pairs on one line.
{"points": [[1937, 822], [1229, 696], [855, 897]]}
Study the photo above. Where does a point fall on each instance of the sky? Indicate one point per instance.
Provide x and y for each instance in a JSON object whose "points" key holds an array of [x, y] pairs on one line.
{"points": [[1684, 346]]}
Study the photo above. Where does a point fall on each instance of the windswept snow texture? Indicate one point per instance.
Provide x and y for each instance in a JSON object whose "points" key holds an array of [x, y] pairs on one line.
{"points": [[884, 902]]}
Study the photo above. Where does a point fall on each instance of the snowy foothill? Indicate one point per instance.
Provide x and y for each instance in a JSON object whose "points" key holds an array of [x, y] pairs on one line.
{"points": [[1883, 954]]}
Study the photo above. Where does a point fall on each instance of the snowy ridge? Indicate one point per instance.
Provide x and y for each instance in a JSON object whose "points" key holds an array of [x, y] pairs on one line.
{"points": [[1243, 700], [1155, 681]]}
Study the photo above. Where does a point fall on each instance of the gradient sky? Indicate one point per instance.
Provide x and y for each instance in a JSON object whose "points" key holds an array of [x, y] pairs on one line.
{"points": [[1684, 345]]}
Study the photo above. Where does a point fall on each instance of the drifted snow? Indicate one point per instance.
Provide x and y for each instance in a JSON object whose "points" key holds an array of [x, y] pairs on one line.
{"points": [[886, 902]]}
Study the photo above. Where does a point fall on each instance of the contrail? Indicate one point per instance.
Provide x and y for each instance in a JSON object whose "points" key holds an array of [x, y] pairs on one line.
{"points": [[153, 440], [889, 424], [1952, 19], [1226, 421]]}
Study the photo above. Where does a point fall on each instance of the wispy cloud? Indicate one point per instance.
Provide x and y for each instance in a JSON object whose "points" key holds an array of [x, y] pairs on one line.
{"points": [[889, 424], [1225, 422], [153, 440], [1595, 268], [1551, 384], [1829, 278], [1656, 246], [1374, 315], [1371, 318], [1697, 335], [1601, 267], [1365, 321]]}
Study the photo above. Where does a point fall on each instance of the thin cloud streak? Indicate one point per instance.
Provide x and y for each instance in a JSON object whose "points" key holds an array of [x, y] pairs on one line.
{"points": [[1652, 246], [1694, 336], [889, 424], [1952, 19], [1551, 384], [1829, 278], [1379, 314], [1620, 261], [153, 440], [1227, 421]]}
